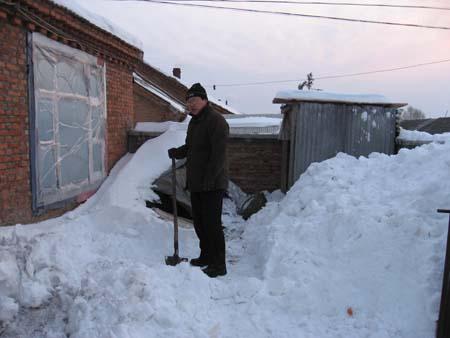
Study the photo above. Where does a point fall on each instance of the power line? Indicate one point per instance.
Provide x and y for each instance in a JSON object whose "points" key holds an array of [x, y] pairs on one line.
{"points": [[321, 3], [294, 14], [330, 76], [382, 70]]}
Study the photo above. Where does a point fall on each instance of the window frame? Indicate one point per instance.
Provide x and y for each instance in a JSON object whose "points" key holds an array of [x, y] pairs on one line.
{"points": [[61, 194]]}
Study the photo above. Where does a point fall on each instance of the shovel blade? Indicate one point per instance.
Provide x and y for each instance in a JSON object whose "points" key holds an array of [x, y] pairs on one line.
{"points": [[175, 259]]}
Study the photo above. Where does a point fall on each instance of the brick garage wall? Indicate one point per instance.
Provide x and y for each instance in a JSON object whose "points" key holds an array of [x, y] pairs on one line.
{"points": [[255, 163], [150, 108], [120, 115]]}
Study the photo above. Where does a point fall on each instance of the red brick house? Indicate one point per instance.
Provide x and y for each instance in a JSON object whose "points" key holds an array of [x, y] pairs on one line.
{"points": [[66, 103], [69, 93], [160, 97], [157, 97]]}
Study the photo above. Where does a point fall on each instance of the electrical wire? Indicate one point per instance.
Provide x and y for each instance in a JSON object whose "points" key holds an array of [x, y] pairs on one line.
{"points": [[320, 3], [329, 76], [295, 14], [382, 70]]}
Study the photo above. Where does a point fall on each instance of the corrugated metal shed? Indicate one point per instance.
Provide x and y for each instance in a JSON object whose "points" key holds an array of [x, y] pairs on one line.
{"points": [[318, 129]]}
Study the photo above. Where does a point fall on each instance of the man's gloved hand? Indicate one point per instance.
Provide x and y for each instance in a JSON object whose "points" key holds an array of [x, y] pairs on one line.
{"points": [[172, 152]]}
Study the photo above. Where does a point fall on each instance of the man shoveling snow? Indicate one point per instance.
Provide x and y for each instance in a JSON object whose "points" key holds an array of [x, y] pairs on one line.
{"points": [[207, 178]]}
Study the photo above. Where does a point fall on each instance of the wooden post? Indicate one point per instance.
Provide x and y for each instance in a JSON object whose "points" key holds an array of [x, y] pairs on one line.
{"points": [[443, 327]]}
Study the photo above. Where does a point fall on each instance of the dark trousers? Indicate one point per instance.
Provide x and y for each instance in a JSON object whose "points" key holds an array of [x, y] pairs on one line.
{"points": [[207, 216]]}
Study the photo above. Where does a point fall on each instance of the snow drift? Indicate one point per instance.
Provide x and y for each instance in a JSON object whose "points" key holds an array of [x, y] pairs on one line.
{"points": [[355, 249]]}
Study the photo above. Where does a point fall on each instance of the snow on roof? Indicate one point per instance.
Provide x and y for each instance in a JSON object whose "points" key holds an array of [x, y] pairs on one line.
{"points": [[158, 92], [257, 124], [286, 96], [224, 106], [160, 127], [99, 21]]}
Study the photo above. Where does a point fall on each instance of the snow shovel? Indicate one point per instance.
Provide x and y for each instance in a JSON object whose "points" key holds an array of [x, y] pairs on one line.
{"points": [[175, 259]]}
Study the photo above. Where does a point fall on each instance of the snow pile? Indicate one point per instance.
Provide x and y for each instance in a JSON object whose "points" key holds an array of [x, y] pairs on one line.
{"points": [[420, 136], [355, 249], [360, 236], [9, 283], [131, 186]]}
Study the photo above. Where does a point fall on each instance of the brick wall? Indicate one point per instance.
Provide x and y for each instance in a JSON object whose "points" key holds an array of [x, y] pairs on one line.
{"points": [[120, 116], [255, 163], [150, 108], [14, 154]]}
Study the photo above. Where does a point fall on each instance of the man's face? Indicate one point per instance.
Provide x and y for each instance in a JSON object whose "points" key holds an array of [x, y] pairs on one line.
{"points": [[195, 104]]}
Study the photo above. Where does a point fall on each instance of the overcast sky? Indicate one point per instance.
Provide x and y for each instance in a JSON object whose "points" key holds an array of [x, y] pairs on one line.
{"points": [[227, 47]]}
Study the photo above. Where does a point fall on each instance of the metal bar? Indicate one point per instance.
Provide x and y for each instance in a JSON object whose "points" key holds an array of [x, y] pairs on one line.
{"points": [[32, 127], [174, 203]]}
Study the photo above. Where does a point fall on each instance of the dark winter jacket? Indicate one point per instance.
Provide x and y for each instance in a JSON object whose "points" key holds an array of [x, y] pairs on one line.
{"points": [[206, 152]]}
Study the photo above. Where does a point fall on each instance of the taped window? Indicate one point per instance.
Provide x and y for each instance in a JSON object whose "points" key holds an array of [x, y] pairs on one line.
{"points": [[68, 126]]}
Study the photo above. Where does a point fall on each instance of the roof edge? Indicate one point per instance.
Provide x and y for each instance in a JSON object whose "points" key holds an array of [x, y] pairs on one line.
{"points": [[384, 104]]}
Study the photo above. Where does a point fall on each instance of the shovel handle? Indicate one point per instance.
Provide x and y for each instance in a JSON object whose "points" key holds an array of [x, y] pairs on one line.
{"points": [[174, 203]]}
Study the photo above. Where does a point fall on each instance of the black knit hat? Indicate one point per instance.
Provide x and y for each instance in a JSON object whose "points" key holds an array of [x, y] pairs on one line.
{"points": [[196, 90]]}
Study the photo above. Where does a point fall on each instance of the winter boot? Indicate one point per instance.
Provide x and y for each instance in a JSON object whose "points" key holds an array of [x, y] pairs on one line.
{"points": [[201, 261], [215, 270]]}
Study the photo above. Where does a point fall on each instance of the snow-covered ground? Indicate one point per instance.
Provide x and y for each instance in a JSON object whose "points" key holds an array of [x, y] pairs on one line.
{"points": [[355, 249]]}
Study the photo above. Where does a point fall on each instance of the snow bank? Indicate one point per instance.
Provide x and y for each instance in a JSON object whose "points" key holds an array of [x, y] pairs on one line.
{"points": [[64, 268], [360, 234], [355, 249], [420, 136]]}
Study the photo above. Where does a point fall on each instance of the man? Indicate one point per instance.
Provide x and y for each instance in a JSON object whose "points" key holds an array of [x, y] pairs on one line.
{"points": [[207, 177]]}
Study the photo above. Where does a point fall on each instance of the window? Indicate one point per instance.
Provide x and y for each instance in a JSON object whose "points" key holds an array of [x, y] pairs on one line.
{"points": [[67, 122]]}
